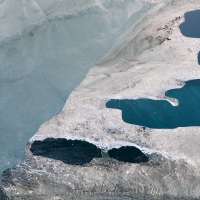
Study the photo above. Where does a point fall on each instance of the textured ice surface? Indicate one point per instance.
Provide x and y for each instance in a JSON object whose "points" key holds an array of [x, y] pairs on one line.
{"points": [[161, 114], [150, 58], [46, 61]]}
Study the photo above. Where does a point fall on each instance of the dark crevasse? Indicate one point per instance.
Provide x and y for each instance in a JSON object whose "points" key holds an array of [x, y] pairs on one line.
{"points": [[128, 154], [160, 114], [73, 152], [76, 152], [191, 26]]}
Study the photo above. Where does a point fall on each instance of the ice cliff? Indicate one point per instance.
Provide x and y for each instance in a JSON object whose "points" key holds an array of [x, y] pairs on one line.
{"points": [[149, 57]]}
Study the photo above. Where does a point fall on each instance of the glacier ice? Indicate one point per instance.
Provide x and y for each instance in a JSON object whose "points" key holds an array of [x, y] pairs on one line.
{"points": [[46, 49], [150, 57]]}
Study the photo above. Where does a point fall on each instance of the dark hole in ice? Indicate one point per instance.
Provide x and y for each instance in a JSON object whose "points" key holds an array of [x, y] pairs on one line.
{"points": [[128, 154], [160, 114], [191, 26], [72, 152]]}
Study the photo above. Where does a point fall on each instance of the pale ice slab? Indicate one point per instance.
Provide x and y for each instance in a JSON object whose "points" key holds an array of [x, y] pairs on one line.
{"points": [[150, 57], [46, 50]]}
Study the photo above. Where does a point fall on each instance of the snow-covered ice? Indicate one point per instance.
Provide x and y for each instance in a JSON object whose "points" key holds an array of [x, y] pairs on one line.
{"points": [[46, 50], [149, 57]]}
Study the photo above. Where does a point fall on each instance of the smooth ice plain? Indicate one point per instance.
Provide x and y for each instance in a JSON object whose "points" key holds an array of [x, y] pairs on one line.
{"points": [[39, 70]]}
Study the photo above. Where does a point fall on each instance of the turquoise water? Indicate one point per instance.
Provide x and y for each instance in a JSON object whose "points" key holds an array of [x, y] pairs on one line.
{"points": [[191, 26], [160, 114]]}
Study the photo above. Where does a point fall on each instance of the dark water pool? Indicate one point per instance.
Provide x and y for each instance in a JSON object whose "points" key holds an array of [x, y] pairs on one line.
{"points": [[160, 114], [191, 26], [76, 152], [128, 154], [72, 152]]}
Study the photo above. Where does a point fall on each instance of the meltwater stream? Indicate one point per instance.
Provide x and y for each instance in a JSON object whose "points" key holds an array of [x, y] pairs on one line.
{"points": [[39, 70]]}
